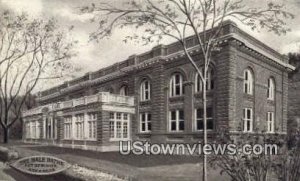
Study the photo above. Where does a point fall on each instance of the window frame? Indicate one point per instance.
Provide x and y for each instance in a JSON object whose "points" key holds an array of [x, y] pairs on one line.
{"points": [[271, 89], [246, 120], [79, 127], [68, 132], [270, 122], [207, 119], [248, 84], [177, 120], [209, 81], [145, 91], [147, 121], [123, 122], [173, 85], [92, 126], [124, 90]]}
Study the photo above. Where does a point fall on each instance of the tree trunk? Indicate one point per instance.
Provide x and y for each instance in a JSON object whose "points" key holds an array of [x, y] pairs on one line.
{"points": [[5, 135], [204, 126]]}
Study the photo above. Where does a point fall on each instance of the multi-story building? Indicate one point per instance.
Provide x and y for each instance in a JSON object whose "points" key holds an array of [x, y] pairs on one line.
{"points": [[156, 96], [293, 97]]}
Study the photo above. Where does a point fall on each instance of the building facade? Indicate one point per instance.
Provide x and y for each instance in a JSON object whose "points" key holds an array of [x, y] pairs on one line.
{"points": [[293, 97], [156, 96]]}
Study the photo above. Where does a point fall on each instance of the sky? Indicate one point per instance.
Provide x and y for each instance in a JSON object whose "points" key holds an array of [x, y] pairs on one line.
{"points": [[93, 56]]}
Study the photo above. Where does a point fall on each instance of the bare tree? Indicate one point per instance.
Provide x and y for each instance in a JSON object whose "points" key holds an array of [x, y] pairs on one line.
{"points": [[178, 19], [31, 50]]}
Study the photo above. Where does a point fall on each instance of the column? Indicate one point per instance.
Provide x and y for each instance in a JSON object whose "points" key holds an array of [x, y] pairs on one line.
{"points": [[44, 126], [37, 132], [85, 126], [24, 131], [73, 127], [55, 128], [51, 127]]}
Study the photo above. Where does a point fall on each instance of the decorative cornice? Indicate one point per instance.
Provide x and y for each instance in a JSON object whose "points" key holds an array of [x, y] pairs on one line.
{"points": [[160, 54]]}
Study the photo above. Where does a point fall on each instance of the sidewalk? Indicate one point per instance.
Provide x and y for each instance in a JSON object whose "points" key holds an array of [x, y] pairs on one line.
{"points": [[3, 175], [130, 167]]}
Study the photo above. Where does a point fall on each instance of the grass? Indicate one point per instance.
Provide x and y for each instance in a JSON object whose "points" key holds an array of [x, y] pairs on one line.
{"points": [[137, 167], [131, 159]]}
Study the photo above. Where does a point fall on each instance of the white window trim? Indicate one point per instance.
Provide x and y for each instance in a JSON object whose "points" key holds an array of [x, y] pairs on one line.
{"points": [[81, 128], [270, 122], [177, 121], [147, 121], [92, 122], [271, 89], [208, 118], [68, 121], [245, 119], [115, 120], [249, 82], [124, 90], [144, 91], [173, 85], [208, 81]]}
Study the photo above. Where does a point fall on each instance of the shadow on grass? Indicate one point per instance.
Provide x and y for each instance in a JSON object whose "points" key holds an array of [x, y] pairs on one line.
{"points": [[133, 160]]}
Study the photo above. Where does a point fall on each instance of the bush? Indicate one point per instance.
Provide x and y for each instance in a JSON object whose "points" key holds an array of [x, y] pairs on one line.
{"points": [[7, 154]]}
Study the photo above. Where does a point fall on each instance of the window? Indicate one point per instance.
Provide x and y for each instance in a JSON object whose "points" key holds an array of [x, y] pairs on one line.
{"points": [[68, 127], [271, 89], [176, 88], [39, 129], [248, 82], [248, 119], [119, 126], [145, 122], [176, 120], [33, 129], [111, 128], [145, 90], [209, 119], [209, 81], [270, 122], [92, 125], [124, 90], [27, 128], [79, 126]]}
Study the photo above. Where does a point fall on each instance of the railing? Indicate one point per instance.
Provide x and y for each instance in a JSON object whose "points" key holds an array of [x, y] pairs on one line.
{"points": [[92, 99], [104, 97], [67, 104], [78, 102], [38, 110]]}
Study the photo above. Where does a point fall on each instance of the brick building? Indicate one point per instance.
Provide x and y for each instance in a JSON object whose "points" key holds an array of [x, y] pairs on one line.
{"points": [[293, 97], [156, 96]]}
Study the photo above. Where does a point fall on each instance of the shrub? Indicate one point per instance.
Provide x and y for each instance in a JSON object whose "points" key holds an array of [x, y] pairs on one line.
{"points": [[7, 154]]}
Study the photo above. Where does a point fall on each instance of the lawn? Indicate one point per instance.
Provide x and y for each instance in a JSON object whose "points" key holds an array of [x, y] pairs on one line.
{"points": [[131, 159], [133, 167]]}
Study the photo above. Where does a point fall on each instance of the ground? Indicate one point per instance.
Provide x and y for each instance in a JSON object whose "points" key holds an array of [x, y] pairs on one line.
{"points": [[112, 165]]}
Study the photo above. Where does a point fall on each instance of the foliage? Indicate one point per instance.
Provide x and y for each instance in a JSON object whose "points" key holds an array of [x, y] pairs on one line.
{"points": [[155, 20], [294, 59], [31, 50], [261, 167]]}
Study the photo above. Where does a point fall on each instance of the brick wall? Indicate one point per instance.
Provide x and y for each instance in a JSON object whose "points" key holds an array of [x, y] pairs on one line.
{"points": [[294, 102], [227, 99]]}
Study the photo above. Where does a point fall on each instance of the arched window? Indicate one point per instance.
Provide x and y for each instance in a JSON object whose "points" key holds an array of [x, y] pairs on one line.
{"points": [[209, 81], [271, 89], [176, 87], [145, 90], [124, 90], [248, 82]]}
